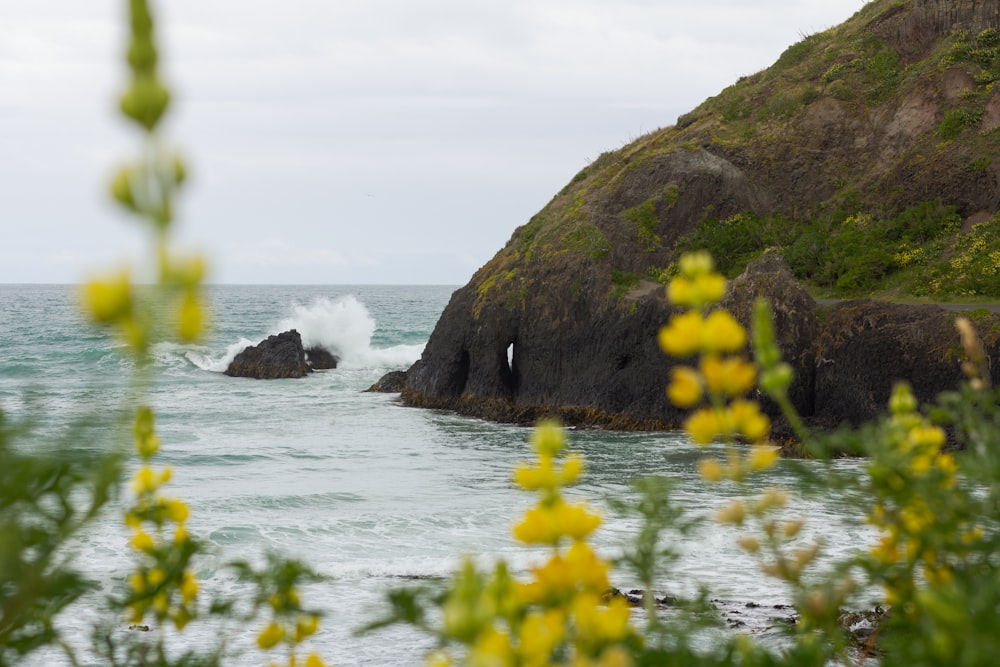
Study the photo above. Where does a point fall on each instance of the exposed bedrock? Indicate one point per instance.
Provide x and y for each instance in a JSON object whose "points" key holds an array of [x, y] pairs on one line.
{"points": [[280, 356], [556, 354]]}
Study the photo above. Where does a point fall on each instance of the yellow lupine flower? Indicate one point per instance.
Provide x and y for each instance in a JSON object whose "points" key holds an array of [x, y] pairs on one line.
{"points": [[697, 263], [732, 376], [533, 478], [696, 292], [679, 291], [763, 457], [270, 635], [702, 426], [540, 633], [177, 510], [313, 660], [145, 480], [685, 387], [747, 419], [141, 541], [929, 437], [548, 438], [548, 524], [189, 587], [711, 470], [682, 337], [572, 469], [734, 513], [598, 624], [108, 300], [156, 576], [137, 582], [305, 626], [722, 333], [190, 318], [492, 649]]}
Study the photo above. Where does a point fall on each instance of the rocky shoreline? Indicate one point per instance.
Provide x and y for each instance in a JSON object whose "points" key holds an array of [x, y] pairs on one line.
{"points": [[599, 365]]}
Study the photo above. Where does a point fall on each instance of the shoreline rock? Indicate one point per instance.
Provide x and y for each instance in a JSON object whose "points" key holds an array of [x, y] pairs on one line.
{"points": [[280, 356]]}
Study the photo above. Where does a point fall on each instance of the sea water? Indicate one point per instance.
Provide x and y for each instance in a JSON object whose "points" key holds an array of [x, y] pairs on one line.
{"points": [[371, 494]]}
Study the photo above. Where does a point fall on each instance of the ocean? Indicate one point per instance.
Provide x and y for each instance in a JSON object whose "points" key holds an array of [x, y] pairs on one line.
{"points": [[372, 494]]}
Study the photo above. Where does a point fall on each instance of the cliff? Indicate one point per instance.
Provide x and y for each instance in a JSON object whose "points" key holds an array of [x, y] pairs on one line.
{"points": [[864, 157]]}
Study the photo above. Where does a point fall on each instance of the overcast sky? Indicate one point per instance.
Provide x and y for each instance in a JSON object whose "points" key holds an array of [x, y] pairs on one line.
{"points": [[351, 141]]}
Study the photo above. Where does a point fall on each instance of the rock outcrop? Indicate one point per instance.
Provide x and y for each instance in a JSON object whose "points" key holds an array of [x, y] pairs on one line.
{"points": [[320, 358], [604, 368], [279, 356], [392, 382], [895, 111]]}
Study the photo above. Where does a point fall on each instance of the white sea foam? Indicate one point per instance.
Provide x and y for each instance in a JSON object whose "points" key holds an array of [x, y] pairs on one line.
{"points": [[342, 326], [345, 328], [217, 363]]}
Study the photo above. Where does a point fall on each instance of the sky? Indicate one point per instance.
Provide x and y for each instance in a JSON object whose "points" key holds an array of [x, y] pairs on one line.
{"points": [[350, 141]]}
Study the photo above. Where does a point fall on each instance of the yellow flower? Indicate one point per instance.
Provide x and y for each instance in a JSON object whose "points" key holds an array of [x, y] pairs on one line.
{"points": [[533, 478], [270, 636], [679, 291], [683, 336], [734, 513], [722, 333], [540, 634], [693, 264], [145, 480], [177, 510], [597, 624], [548, 438], [711, 470], [137, 582], [109, 300], [929, 437], [731, 377], [492, 649], [141, 541], [703, 426], [763, 457], [547, 524], [156, 576], [746, 418], [189, 587], [685, 387], [315, 661], [305, 626], [147, 446], [190, 318]]}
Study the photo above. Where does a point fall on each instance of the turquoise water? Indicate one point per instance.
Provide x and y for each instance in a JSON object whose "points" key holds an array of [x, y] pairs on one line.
{"points": [[370, 493]]}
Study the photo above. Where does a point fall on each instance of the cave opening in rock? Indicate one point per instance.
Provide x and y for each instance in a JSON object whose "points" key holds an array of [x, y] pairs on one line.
{"points": [[508, 370]]}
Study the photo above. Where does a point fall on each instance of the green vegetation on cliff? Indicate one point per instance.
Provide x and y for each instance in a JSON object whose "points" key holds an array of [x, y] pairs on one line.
{"points": [[865, 153]]}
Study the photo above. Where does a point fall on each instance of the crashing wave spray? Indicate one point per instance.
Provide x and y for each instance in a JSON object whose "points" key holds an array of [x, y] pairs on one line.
{"points": [[344, 327]]}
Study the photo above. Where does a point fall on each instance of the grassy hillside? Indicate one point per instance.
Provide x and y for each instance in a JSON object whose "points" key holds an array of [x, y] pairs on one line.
{"points": [[867, 153]]}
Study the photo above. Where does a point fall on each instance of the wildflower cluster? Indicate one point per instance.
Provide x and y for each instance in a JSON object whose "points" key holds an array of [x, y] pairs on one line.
{"points": [[563, 613], [147, 189], [289, 623], [163, 583], [717, 385]]}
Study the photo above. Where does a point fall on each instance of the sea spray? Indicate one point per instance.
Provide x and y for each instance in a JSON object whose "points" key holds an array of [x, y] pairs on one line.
{"points": [[345, 328]]}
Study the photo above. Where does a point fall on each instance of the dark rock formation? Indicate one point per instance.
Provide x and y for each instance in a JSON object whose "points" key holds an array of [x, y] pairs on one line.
{"points": [[563, 320], [865, 346], [279, 356], [320, 359], [392, 382], [794, 314], [594, 366]]}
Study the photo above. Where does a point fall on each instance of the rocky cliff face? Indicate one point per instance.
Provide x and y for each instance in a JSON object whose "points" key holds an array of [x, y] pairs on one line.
{"points": [[880, 114]]}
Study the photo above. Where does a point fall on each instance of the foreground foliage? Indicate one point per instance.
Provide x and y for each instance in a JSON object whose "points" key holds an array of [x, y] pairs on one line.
{"points": [[934, 505]]}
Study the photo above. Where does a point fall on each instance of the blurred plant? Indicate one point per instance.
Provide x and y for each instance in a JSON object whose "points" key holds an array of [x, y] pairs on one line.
{"points": [[48, 497]]}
